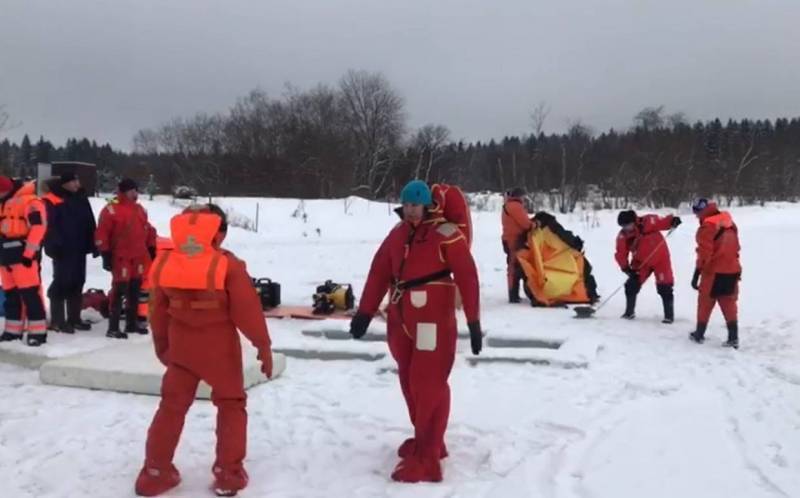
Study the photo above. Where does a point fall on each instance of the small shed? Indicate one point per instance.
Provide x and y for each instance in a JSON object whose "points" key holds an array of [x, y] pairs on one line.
{"points": [[86, 172]]}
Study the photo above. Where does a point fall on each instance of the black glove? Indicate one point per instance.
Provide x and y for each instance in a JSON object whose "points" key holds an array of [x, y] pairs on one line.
{"points": [[475, 337], [630, 272], [696, 280], [152, 252], [359, 325], [106, 261], [27, 262], [676, 220], [95, 253]]}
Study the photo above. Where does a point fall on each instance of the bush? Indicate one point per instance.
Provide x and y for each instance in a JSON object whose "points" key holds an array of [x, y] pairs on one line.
{"points": [[184, 192]]}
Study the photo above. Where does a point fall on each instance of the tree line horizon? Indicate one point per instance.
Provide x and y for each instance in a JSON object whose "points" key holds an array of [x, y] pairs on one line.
{"points": [[353, 138]]}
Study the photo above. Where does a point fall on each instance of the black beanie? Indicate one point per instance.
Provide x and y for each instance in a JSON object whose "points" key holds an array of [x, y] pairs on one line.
{"points": [[67, 177], [127, 184], [626, 218], [517, 192]]}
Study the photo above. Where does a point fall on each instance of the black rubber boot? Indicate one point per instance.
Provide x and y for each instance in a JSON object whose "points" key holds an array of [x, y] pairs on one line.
{"points": [[733, 335], [115, 310], [513, 294], [8, 337], [699, 335], [631, 291], [36, 340], [74, 305], [668, 299], [132, 307], [57, 321]]}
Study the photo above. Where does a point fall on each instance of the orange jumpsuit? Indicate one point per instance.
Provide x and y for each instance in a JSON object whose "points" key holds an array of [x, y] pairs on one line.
{"points": [[125, 235], [22, 231], [421, 328], [516, 225], [201, 296], [718, 264]]}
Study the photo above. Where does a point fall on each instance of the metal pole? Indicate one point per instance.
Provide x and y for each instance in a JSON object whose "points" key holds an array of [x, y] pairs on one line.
{"points": [[258, 208]]}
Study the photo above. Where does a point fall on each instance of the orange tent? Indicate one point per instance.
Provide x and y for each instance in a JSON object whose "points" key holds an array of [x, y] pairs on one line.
{"points": [[554, 271]]}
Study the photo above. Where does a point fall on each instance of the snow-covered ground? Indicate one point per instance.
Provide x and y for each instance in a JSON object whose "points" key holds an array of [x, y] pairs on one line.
{"points": [[653, 416]]}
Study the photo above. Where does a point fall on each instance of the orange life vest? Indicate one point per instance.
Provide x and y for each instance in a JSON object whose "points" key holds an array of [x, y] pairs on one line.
{"points": [[14, 215], [52, 199], [194, 264], [721, 221]]}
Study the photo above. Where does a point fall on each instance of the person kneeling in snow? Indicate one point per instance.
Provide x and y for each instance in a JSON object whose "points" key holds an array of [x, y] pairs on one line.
{"points": [[718, 270], [201, 295], [416, 261]]}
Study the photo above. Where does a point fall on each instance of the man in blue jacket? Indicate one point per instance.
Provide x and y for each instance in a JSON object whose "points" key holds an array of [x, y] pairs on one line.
{"points": [[69, 238]]}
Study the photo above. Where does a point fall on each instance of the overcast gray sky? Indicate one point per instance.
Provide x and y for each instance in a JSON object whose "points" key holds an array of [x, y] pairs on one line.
{"points": [[105, 69]]}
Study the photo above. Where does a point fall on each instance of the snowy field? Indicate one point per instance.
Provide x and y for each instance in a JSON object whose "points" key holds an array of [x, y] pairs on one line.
{"points": [[653, 416]]}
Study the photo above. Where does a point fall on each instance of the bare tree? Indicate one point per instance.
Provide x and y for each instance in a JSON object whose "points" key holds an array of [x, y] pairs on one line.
{"points": [[318, 136], [146, 142], [429, 142], [649, 118], [539, 116], [252, 128], [677, 119], [375, 120], [575, 143]]}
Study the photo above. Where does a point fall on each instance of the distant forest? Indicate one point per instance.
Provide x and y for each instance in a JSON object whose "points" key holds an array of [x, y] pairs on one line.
{"points": [[352, 138]]}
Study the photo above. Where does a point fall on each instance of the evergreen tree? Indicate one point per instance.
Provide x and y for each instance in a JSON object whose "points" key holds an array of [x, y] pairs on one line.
{"points": [[26, 156]]}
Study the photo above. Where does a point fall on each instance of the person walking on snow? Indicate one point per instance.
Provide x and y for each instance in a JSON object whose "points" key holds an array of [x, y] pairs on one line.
{"points": [[23, 223], [422, 262], [718, 270], [643, 251], [69, 238], [516, 226], [201, 295], [127, 242]]}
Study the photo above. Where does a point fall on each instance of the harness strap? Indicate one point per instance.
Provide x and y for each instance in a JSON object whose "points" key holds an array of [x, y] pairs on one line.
{"points": [[420, 281]]}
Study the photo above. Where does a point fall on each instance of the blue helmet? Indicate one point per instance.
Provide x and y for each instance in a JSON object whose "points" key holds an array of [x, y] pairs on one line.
{"points": [[416, 192], [699, 205]]}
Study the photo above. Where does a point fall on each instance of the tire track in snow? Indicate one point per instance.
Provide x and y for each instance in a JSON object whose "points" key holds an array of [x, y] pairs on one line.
{"points": [[739, 391]]}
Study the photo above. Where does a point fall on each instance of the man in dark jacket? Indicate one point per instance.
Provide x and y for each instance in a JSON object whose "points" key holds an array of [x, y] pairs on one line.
{"points": [[69, 238]]}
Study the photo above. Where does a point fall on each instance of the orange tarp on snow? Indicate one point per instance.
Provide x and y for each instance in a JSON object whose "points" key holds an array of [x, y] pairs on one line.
{"points": [[554, 271]]}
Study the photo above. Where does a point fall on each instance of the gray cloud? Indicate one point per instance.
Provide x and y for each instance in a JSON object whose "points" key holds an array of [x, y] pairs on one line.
{"points": [[105, 69]]}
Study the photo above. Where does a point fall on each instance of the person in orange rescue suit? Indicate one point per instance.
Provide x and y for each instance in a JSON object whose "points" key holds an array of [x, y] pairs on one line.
{"points": [[718, 270], [642, 251], [422, 261], [516, 225], [23, 224], [127, 243], [201, 295]]}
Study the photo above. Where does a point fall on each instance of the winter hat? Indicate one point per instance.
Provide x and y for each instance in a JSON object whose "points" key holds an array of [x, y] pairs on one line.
{"points": [[416, 192], [127, 184], [699, 205], [626, 218], [6, 184], [517, 192], [67, 177]]}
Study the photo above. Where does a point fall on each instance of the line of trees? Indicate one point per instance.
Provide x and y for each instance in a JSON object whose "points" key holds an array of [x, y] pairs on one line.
{"points": [[353, 138]]}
